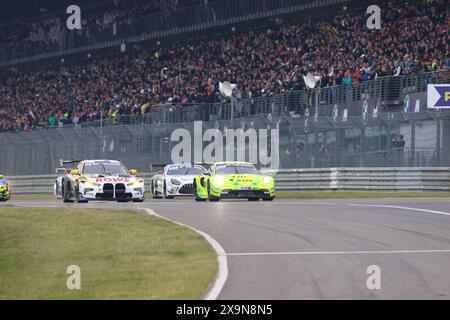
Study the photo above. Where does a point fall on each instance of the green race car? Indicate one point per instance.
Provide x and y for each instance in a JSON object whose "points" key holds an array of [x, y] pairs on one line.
{"points": [[4, 189], [233, 180]]}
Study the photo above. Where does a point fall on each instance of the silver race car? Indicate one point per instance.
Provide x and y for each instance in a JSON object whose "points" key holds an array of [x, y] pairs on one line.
{"points": [[175, 180]]}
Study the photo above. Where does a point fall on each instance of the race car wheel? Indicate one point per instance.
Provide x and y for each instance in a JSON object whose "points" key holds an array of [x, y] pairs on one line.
{"points": [[210, 196], [64, 194], [78, 199], [155, 193], [268, 199], [138, 200], [196, 197], [165, 193], [253, 199]]}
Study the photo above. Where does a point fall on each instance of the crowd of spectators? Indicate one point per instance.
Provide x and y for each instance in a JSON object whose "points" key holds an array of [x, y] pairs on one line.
{"points": [[53, 31], [413, 38]]}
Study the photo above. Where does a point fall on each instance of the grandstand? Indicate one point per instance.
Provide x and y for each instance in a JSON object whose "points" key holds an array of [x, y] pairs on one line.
{"points": [[169, 74]]}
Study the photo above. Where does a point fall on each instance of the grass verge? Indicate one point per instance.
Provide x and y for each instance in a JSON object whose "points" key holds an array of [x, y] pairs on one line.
{"points": [[121, 254]]}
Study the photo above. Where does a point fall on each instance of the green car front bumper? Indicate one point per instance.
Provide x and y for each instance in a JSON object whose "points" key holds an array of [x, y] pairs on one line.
{"points": [[251, 190]]}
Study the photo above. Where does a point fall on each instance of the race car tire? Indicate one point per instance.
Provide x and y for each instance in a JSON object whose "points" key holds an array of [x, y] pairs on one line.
{"points": [[122, 200], [165, 193], [210, 196], [268, 199], [78, 199], [63, 193], [196, 197], [138, 200], [253, 199], [155, 193]]}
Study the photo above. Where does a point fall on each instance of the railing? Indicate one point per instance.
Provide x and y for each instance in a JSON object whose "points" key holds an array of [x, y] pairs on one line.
{"points": [[154, 25], [365, 179], [382, 92]]}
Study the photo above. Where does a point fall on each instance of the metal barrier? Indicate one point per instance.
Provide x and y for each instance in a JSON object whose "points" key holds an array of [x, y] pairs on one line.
{"points": [[365, 179], [329, 179]]}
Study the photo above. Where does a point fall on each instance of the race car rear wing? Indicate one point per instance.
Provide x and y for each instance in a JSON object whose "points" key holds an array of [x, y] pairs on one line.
{"points": [[73, 162], [161, 166], [62, 170]]}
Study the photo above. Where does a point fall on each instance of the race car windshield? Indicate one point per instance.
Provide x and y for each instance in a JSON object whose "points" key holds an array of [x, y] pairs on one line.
{"points": [[184, 171], [236, 169], [106, 169]]}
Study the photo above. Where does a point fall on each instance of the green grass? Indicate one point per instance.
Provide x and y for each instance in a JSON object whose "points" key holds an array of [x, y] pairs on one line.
{"points": [[355, 195], [121, 254], [44, 197]]}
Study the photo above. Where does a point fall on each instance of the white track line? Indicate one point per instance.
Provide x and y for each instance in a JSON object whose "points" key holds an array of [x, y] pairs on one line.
{"points": [[334, 252], [398, 207], [367, 205], [222, 275]]}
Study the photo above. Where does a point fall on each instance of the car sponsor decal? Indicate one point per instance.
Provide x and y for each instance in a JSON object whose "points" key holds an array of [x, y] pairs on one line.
{"points": [[113, 179]]}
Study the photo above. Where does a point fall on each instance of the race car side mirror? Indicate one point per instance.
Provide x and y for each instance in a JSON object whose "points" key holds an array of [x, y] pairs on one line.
{"points": [[133, 172], [74, 172]]}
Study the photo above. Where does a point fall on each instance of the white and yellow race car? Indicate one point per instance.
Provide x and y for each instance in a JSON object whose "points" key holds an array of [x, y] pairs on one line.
{"points": [[100, 180]]}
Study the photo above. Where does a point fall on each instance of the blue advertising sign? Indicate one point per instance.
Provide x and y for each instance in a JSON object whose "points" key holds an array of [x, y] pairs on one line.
{"points": [[438, 96]]}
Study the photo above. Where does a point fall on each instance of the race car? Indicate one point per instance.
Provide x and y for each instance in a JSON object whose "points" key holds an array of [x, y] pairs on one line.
{"points": [[233, 180], [5, 189], [101, 180], [175, 180]]}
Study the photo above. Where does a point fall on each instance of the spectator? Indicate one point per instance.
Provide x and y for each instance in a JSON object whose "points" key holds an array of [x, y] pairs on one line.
{"points": [[263, 63]]}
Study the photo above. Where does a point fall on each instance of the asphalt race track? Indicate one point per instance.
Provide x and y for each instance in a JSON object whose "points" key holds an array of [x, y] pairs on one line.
{"points": [[320, 249]]}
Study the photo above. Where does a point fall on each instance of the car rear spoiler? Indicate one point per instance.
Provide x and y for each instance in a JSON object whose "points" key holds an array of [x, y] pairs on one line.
{"points": [[73, 162], [157, 166], [62, 170]]}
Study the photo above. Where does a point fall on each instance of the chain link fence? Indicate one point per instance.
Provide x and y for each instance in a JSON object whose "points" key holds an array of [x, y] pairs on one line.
{"points": [[419, 139]]}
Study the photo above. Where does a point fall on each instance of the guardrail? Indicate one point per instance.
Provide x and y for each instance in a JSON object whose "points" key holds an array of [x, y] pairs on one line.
{"points": [[327, 179], [365, 179]]}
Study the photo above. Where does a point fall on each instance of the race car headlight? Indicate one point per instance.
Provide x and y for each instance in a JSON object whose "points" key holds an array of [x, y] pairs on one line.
{"points": [[267, 180], [219, 180], [175, 182]]}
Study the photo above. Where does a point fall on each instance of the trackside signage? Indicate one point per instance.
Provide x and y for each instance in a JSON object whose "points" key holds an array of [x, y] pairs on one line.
{"points": [[438, 96]]}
